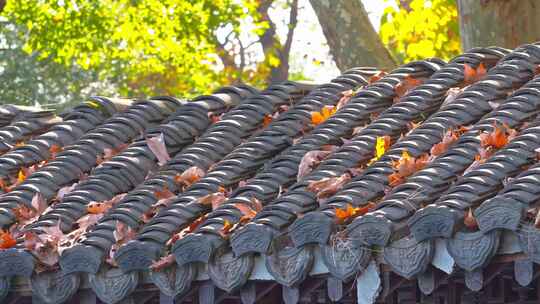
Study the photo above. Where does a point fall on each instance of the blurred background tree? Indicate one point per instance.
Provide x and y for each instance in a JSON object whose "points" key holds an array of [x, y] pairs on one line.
{"points": [[70, 48], [56, 52]]}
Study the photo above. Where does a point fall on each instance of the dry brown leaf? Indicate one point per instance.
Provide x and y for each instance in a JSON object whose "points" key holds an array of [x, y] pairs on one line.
{"points": [[309, 161], [157, 145], [213, 199]]}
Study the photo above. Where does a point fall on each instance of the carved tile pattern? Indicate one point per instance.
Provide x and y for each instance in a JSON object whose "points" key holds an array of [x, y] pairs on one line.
{"points": [[15, 262], [54, 287], [529, 238], [473, 250], [408, 257], [289, 266], [229, 272], [343, 259], [112, 285], [174, 280], [5, 284]]}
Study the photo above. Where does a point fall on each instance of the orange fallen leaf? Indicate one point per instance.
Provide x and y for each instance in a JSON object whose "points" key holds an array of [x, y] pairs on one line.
{"points": [[405, 167], [472, 75], [448, 139], [350, 212], [377, 77], [190, 176], [319, 117], [6, 240], [267, 120], [102, 207], [164, 193], [498, 138], [4, 186], [53, 150], [249, 211], [96, 208]]}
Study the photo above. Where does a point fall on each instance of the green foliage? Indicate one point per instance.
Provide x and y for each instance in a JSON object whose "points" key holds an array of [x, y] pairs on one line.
{"points": [[145, 47], [421, 30], [27, 80]]}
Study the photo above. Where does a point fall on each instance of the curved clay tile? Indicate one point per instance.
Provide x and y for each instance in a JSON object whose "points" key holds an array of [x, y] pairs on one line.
{"points": [[424, 99], [224, 133]]}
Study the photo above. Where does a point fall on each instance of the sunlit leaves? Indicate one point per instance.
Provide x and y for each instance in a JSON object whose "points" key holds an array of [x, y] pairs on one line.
{"points": [[428, 29], [142, 44]]}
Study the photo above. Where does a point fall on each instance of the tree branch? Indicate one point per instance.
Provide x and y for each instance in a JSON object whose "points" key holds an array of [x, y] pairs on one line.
{"points": [[350, 35]]}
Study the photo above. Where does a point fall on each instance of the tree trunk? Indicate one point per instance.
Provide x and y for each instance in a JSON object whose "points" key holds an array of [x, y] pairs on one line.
{"points": [[352, 39], [505, 23], [270, 41]]}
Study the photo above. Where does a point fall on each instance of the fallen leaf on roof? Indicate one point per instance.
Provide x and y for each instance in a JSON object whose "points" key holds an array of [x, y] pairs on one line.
{"points": [[53, 150], [190, 176], [162, 263], [6, 240], [382, 144], [214, 117], [451, 95], [65, 190], [407, 84], [377, 77], [406, 166], [88, 220], [21, 176], [537, 220], [448, 139], [38, 203], [328, 186], [498, 138], [164, 193], [213, 199], [226, 229], [44, 246], [102, 207], [350, 212], [469, 220], [309, 161], [319, 117], [189, 229], [157, 145], [267, 120], [249, 211], [123, 233], [345, 98], [472, 75]]}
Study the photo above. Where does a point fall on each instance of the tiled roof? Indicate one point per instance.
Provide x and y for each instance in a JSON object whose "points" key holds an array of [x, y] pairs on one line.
{"points": [[430, 166]]}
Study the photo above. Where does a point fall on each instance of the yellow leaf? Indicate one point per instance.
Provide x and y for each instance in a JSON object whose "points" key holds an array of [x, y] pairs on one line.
{"points": [[21, 176], [380, 147]]}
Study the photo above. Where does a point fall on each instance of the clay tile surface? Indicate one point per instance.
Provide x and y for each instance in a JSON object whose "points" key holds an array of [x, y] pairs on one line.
{"points": [[361, 189]]}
